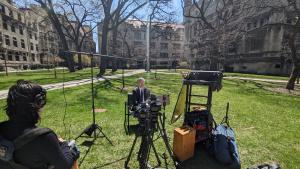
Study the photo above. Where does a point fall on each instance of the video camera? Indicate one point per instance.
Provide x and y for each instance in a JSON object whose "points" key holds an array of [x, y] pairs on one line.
{"points": [[148, 112]]}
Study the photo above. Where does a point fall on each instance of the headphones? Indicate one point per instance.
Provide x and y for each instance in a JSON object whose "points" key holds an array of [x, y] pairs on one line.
{"points": [[39, 99]]}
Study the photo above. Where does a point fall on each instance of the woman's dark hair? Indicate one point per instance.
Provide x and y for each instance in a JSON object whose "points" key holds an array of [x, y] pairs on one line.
{"points": [[24, 100]]}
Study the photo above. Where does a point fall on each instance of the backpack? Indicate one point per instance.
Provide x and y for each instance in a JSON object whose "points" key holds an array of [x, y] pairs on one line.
{"points": [[225, 146], [7, 148]]}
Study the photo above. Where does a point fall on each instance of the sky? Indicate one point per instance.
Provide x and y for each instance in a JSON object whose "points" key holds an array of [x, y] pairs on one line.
{"points": [[179, 17], [176, 7]]}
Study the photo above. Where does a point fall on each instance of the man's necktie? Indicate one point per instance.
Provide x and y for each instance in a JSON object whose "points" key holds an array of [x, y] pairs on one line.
{"points": [[142, 95]]}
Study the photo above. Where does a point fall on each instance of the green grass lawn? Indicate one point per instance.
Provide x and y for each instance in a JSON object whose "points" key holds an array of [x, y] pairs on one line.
{"points": [[266, 124], [46, 77]]}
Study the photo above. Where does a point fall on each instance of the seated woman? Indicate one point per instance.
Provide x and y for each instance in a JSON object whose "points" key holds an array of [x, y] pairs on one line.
{"points": [[25, 102]]}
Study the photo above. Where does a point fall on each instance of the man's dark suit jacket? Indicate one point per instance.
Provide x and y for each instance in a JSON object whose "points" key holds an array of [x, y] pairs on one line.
{"points": [[137, 95]]}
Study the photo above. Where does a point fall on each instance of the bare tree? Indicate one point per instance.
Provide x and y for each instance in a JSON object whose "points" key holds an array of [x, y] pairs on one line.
{"points": [[159, 11], [218, 23], [113, 17], [291, 11], [48, 7], [75, 15]]}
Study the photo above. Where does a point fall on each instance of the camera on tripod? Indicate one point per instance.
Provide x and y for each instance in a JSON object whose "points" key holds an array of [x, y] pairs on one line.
{"points": [[148, 112], [151, 120]]}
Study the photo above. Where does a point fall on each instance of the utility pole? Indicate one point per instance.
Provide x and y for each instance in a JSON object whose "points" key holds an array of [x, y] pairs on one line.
{"points": [[148, 40]]}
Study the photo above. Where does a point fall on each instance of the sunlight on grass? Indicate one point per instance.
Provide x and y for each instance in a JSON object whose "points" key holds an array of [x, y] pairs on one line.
{"points": [[266, 124]]}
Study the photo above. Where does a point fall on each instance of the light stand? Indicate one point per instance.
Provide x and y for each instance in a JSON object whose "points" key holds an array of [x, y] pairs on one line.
{"points": [[93, 128]]}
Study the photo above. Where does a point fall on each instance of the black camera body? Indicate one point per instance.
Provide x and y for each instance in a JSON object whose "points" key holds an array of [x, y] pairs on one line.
{"points": [[148, 112]]}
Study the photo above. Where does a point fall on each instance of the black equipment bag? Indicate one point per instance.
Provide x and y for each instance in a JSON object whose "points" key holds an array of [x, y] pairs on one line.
{"points": [[7, 148], [224, 144]]}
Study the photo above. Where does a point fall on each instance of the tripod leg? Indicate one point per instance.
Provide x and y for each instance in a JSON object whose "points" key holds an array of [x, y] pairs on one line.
{"points": [[155, 152], [80, 135], [144, 152], [101, 131], [166, 141], [130, 153]]}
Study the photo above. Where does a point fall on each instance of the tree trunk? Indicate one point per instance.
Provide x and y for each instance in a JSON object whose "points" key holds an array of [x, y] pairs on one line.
{"points": [[104, 60], [213, 64], [114, 49], [80, 67], [291, 38], [295, 73], [56, 23]]}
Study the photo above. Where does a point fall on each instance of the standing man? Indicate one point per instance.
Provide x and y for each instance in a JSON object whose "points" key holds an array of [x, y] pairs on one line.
{"points": [[140, 93]]}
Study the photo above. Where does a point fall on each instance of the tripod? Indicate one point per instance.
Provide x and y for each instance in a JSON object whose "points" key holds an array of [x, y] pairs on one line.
{"points": [[93, 128], [147, 142]]}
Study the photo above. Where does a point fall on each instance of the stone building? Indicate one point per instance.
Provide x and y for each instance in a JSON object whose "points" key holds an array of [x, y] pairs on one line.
{"points": [[28, 37], [166, 42], [14, 31], [259, 50]]}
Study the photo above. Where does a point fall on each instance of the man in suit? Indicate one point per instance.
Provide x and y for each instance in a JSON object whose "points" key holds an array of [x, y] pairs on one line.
{"points": [[140, 93]]}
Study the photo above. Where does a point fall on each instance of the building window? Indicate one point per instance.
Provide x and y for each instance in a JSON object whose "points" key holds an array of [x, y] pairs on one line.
{"points": [[30, 34], [11, 14], [9, 56], [23, 43], [13, 28], [163, 46], [164, 55], [24, 57], [17, 56], [137, 43], [21, 30], [277, 66], [1, 40], [138, 35], [31, 46], [176, 46], [35, 36], [19, 17], [15, 42], [33, 57], [2, 9], [152, 44], [255, 24], [4, 23], [37, 47], [164, 63], [7, 40], [262, 22], [248, 26]]}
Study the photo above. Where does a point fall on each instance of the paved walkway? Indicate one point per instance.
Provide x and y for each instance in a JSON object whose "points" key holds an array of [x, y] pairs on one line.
{"points": [[29, 70], [55, 86]]}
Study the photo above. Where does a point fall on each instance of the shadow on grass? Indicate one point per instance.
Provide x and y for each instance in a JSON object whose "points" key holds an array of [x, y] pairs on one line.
{"points": [[88, 144], [110, 163]]}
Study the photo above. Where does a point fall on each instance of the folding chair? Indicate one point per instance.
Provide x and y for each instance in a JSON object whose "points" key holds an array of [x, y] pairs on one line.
{"points": [[128, 112]]}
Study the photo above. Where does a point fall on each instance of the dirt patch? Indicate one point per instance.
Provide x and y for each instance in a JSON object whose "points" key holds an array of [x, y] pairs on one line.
{"points": [[282, 90]]}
